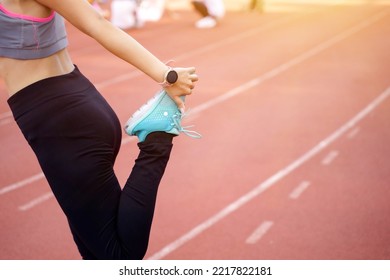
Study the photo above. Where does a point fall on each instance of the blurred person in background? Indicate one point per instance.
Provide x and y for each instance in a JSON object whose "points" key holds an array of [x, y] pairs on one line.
{"points": [[210, 10], [125, 14], [257, 5], [128, 14]]}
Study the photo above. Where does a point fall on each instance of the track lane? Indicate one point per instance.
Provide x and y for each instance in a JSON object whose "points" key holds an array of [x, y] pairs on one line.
{"points": [[175, 192], [327, 221], [343, 108]]}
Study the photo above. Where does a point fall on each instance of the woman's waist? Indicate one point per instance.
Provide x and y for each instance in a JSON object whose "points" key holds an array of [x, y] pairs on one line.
{"points": [[70, 89], [18, 74]]}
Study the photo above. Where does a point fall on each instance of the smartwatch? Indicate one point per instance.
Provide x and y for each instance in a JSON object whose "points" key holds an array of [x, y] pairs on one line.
{"points": [[170, 78]]}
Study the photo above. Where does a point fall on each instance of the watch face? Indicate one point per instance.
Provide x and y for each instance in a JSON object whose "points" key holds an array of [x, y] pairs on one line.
{"points": [[172, 77]]}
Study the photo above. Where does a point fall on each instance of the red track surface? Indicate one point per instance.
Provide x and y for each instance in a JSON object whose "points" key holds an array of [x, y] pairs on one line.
{"points": [[290, 147]]}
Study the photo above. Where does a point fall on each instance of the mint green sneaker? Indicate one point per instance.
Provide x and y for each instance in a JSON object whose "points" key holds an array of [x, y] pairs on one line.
{"points": [[159, 114]]}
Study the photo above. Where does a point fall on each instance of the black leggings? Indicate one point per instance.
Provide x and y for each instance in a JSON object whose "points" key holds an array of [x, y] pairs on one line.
{"points": [[76, 137]]}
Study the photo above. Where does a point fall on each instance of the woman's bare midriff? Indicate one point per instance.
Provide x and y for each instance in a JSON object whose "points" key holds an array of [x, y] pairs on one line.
{"points": [[17, 74]]}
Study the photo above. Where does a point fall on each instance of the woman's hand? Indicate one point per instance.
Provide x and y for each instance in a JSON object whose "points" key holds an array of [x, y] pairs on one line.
{"points": [[183, 86]]}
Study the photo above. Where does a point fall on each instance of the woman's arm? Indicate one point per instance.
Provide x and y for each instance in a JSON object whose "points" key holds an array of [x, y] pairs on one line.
{"points": [[80, 14]]}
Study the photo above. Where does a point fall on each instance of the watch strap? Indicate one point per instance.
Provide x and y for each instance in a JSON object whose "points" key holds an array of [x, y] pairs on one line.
{"points": [[165, 83]]}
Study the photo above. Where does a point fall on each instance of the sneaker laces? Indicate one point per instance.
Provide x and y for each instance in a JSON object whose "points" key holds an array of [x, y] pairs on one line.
{"points": [[184, 129]]}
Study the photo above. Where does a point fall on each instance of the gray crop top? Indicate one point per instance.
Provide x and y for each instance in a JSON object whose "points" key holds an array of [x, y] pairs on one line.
{"points": [[28, 37]]}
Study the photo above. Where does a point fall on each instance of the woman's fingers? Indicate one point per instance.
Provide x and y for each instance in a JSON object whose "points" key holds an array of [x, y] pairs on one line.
{"points": [[184, 86], [194, 77]]}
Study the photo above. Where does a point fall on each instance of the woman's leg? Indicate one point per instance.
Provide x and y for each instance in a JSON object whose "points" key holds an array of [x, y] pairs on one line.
{"points": [[137, 202], [76, 137], [118, 226]]}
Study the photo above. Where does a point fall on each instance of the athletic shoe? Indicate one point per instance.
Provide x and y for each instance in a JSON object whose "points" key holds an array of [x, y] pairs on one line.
{"points": [[159, 114], [206, 22]]}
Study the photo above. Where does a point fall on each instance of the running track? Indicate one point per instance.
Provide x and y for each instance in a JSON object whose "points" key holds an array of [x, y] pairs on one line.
{"points": [[294, 107]]}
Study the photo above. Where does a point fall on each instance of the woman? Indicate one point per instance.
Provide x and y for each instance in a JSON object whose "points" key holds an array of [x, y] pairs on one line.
{"points": [[74, 132]]}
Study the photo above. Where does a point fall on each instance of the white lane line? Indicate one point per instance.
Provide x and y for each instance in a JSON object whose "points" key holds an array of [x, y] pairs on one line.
{"points": [[353, 133], [199, 51], [173, 246], [259, 232], [330, 157], [21, 184], [6, 118], [297, 192], [238, 37], [36, 201], [118, 79], [5, 115], [6, 121]]}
